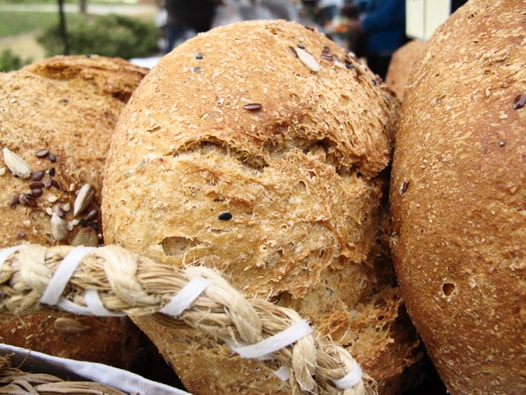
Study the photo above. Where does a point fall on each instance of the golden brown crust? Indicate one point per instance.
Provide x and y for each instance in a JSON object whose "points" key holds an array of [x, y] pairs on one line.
{"points": [[69, 105], [458, 198], [270, 168], [111, 341], [401, 65]]}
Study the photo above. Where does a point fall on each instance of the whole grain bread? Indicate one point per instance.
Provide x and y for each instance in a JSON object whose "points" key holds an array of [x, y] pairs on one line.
{"points": [[56, 119], [458, 197], [261, 148], [401, 65]]}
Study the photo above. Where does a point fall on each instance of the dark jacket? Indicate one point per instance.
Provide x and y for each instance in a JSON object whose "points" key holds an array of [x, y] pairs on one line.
{"points": [[384, 23], [193, 14]]}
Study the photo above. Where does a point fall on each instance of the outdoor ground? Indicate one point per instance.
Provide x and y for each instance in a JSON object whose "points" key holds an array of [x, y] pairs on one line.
{"points": [[23, 45]]}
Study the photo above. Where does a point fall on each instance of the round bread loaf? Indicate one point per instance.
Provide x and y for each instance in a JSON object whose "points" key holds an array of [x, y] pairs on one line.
{"points": [[458, 197], [401, 65], [56, 120], [260, 148]]}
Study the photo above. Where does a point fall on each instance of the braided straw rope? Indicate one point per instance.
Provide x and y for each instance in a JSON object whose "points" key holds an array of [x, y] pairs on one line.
{"points": [[129, 284]]}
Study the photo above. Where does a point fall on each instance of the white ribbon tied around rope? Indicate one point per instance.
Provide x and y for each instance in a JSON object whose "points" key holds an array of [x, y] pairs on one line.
{"points": [[180, 302]]}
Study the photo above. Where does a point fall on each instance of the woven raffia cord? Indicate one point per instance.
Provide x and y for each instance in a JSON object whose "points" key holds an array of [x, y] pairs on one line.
{"points": [[135, 285], [14, 381]]}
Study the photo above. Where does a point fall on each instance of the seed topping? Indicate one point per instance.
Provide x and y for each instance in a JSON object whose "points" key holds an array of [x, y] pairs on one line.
{"points": [[13, 200], [70, 325], [42, 153], [59, 227], [65, 209], [61, 213], [18, 166], [84, 199], [308, 60], [519, 102], [292, 51], [92, 215], [225, 216], [38, 175], [252, 106], [403, 187], [36, 185], [47, 182], [35, 192], [26, 200], [86, 237]]}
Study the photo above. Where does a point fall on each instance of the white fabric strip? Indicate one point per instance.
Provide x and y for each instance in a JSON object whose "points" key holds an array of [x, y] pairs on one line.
{"points": [[71, 307], [60, 279], [186, 296], [277, 342], [351, 379], [5, 253], [92, 299], [282, 373]]}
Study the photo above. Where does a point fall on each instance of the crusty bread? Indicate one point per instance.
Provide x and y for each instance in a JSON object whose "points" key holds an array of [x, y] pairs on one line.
{"points": [[261, 148], [401, 65], [458, 196], [68, 105]]}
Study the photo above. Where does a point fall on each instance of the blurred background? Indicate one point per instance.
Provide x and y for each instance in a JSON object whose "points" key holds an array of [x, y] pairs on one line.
{"points": [[34, 29], [139, 29]]}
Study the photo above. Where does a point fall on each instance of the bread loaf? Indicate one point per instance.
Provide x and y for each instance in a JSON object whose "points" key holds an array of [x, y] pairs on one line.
{"points": [[458, 197], [401, 65], [260, 149], [56, 120]]}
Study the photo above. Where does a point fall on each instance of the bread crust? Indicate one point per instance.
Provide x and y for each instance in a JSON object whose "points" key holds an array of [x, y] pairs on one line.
{"points": [[458, 197], [268, 164], [69, 105], [401, 65]]}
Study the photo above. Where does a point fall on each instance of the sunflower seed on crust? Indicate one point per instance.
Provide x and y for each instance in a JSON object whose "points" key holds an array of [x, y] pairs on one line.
{"points": [[308, 60], [59, 227], [18, 166], [70, 325], [84, 199]]}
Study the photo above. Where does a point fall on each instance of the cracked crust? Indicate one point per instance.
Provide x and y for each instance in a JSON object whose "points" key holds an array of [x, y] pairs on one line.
{"points": [[236, 151]]}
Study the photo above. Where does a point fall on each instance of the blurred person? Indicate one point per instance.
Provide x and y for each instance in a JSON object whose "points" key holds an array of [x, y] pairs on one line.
{"points": [[241, 10], [378, 25], [279, 9], [327, 11], [322, 12], [185, 18]]}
